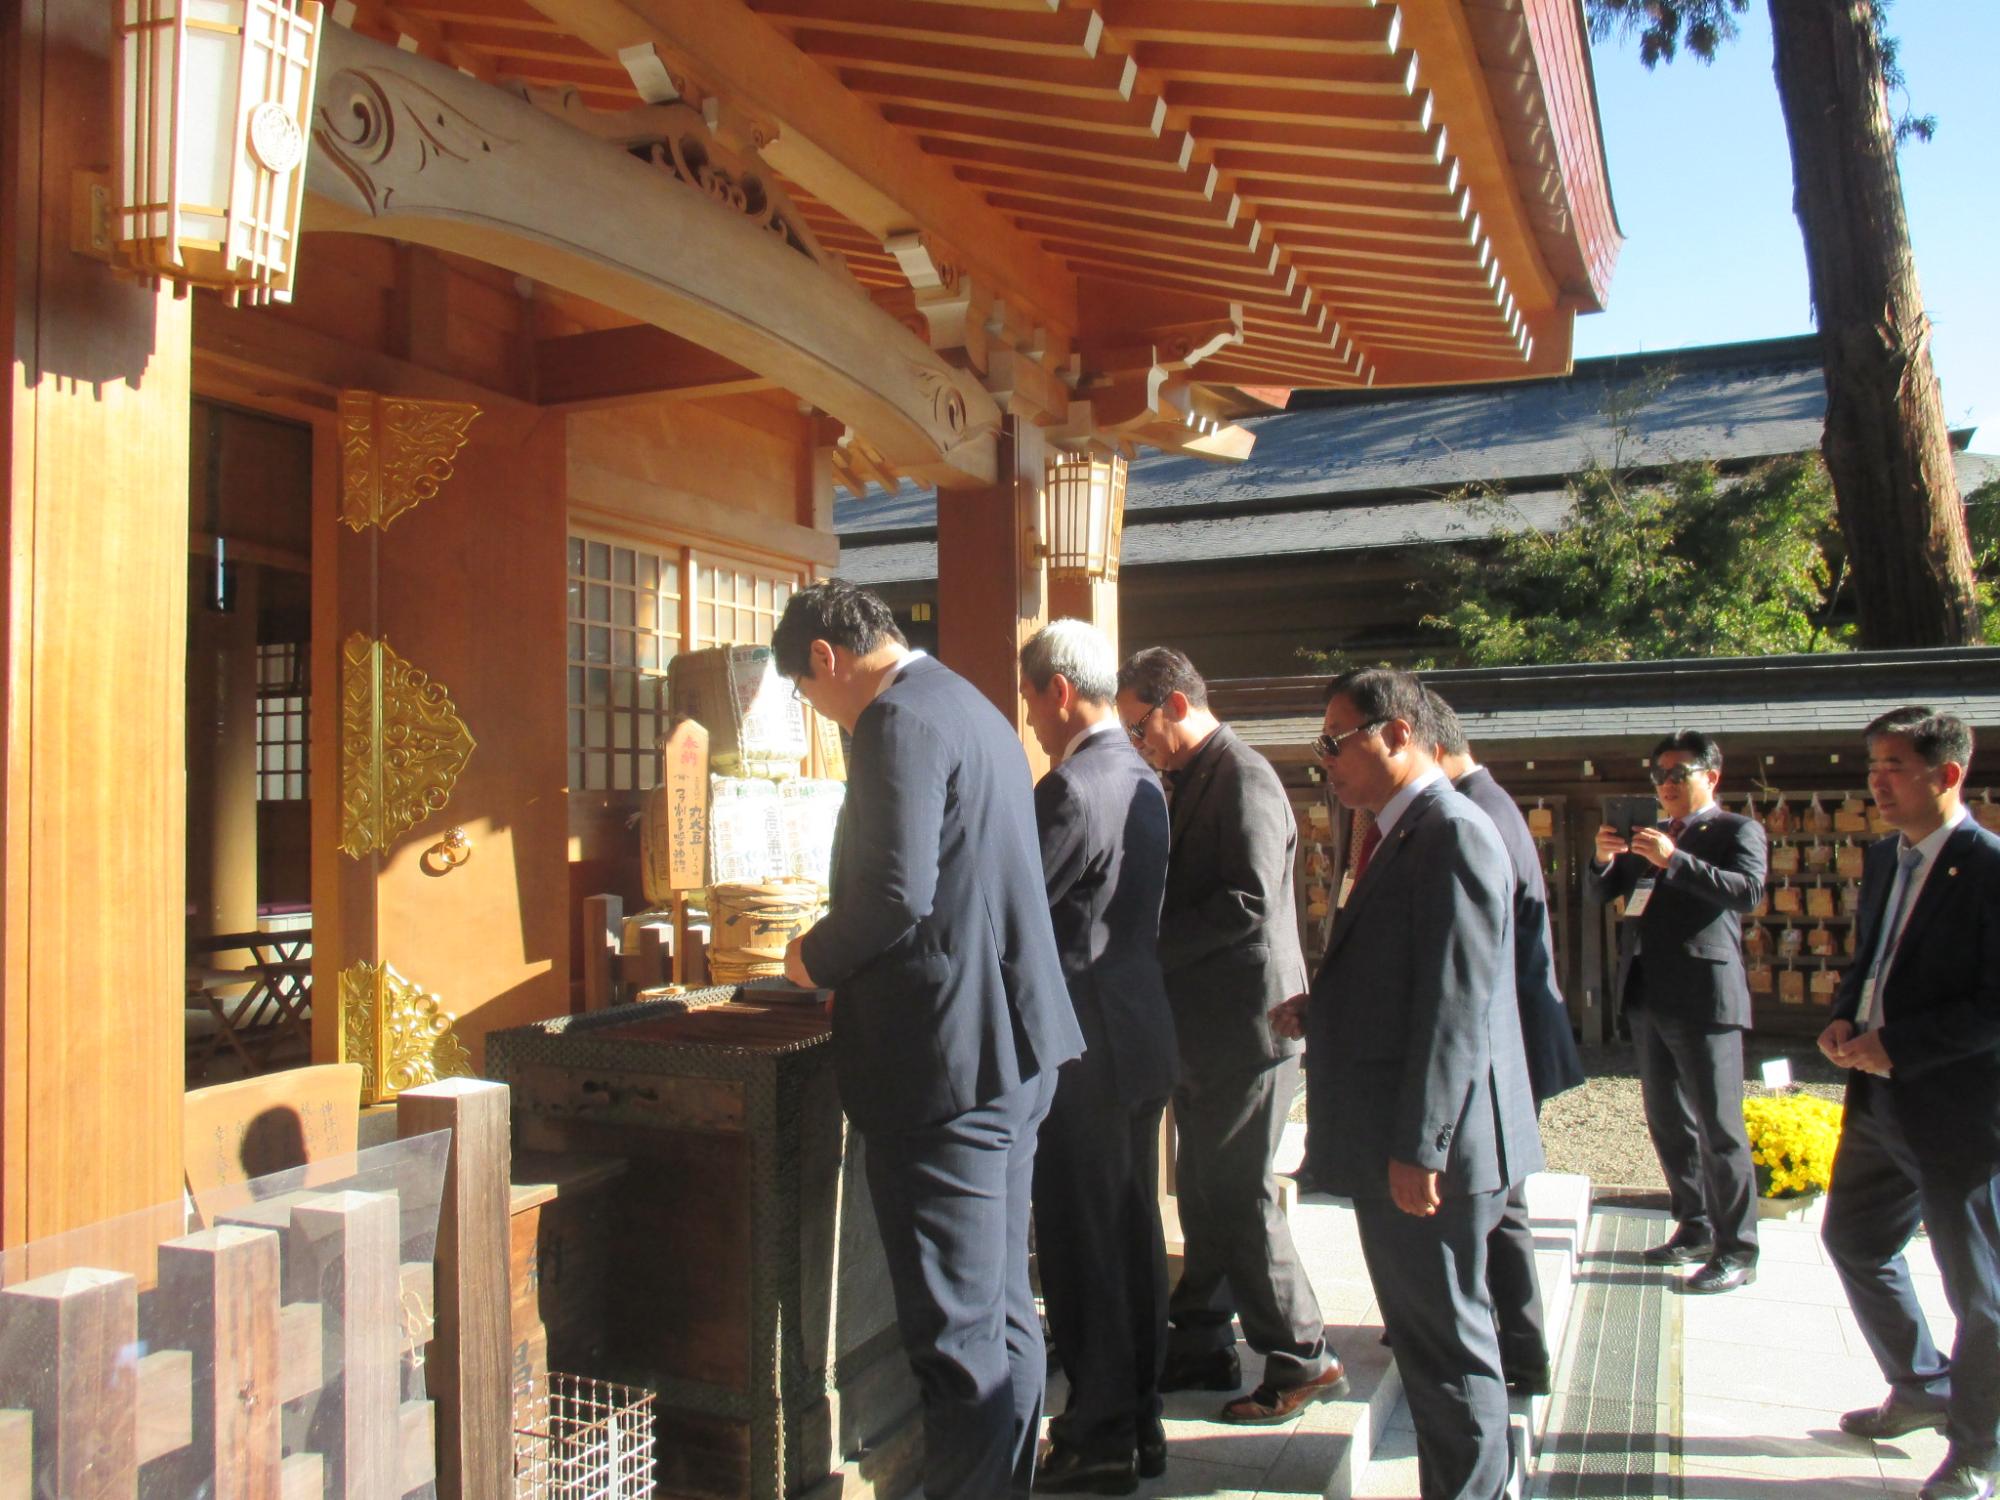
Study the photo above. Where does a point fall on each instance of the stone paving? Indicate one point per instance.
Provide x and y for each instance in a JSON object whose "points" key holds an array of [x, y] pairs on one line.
{"points": [[1764, 1373]]}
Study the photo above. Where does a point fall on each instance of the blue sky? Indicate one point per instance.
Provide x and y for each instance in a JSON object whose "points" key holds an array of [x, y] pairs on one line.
{"points": [[1702, 179]]}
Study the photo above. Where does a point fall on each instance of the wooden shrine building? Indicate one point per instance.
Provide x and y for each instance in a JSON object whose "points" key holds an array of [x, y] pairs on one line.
{"points": [[345, 602]]}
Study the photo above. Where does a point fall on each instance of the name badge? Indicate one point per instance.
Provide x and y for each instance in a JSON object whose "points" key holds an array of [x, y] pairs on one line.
{"points": [[1635, 904]]}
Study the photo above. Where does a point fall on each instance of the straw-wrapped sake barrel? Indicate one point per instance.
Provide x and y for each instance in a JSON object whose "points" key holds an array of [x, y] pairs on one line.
{"points": [[751, 923]]}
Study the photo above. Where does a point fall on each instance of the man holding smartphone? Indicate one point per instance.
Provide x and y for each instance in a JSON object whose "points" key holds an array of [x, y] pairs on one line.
{"points": [[1682, 983]]}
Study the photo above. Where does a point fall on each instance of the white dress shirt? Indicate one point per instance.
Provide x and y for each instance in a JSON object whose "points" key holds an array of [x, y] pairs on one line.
{"points": [[1928, 846], [1396, 806], [1103, 726]]}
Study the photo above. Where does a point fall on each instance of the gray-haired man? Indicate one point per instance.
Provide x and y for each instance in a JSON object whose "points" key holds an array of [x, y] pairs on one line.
{"points": [[1103, 824]]}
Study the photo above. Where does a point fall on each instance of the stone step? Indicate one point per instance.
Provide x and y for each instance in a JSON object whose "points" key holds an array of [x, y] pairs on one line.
{"points": [[1559, 1211], [1326, 1450]]}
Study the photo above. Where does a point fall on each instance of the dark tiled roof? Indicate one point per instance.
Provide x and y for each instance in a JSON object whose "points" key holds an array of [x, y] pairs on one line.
{"points": [[1338, 527], [1602, 704], [1585, 727], [1367, 469], [1732, 401]]}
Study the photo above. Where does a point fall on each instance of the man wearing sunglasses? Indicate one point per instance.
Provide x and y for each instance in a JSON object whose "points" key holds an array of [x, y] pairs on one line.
{"points": [[1229, 947], [1684, 989], [1425, 1117]]}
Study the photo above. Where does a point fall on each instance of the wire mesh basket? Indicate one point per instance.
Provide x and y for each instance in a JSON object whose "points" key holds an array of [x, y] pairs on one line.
{"points": [[583, 1439]]}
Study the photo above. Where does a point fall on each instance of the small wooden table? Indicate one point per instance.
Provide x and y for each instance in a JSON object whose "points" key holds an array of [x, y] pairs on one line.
{"points": [[257, 1007]]}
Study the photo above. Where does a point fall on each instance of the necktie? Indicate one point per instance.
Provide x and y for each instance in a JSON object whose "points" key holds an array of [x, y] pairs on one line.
{"points": [[1370, 842], [1676, 828], [1909, 859]]}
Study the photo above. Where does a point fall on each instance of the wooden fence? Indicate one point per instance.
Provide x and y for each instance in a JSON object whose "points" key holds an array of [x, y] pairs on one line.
{"points": [[277, 1353]]}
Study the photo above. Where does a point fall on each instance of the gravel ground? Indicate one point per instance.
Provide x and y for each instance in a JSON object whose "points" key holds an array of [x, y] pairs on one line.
{"points": [[1599, 1129]]}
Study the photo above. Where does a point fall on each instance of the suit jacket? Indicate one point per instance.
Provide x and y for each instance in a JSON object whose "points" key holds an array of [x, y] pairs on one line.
{"points": [[1939, 1004], [1103, 822], [937, 941], [1691, 933], [1553, 1063], [1229, 929], [1413, 1025]]}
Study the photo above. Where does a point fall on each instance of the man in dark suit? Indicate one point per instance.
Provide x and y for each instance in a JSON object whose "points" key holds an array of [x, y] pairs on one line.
{"points": [[1553, 1063], [1918, 1019], [950, 1018], [1103, 1259], [1229, 943], [1427, 1119], [1683, 986]]}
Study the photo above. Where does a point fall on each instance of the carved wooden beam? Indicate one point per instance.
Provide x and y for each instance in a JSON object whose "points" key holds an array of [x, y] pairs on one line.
{"points": [[617, 365], [666, 225]]}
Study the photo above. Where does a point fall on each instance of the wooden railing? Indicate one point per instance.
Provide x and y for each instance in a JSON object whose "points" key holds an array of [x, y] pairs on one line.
{"points": [[293, 1346]]}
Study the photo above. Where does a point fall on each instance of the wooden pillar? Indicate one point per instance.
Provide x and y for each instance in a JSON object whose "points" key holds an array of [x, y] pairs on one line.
{"points": [[1091, 600], [93, 481], [990, 581], [222, 753], [469, 1352]]}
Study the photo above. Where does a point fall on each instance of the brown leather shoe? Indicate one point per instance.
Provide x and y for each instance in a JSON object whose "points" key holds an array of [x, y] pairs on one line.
{"points": [[1267, 1404]]}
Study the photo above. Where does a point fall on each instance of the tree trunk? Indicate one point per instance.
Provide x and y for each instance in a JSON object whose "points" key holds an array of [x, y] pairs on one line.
{"points": [[1885, 444]]}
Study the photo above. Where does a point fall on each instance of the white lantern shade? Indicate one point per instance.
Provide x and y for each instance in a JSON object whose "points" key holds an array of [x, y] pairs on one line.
{"points": [[1086, 515], [213, 102]]}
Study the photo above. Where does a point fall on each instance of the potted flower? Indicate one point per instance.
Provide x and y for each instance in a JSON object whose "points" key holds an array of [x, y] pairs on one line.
{"points": [[1792, 1140]]}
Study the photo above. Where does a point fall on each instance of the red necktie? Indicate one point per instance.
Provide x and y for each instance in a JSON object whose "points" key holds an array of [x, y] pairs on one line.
{"points": [[1676, 828], [1370, 842]]}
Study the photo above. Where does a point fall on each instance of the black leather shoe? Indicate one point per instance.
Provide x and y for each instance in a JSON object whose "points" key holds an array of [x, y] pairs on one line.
{"points": [[1064, 1471], [1893, 1418], [1687, 1247], [1723, 1274], [1956, 1479], [1533, 1380], [1213, 1370], [1152, 1456]]}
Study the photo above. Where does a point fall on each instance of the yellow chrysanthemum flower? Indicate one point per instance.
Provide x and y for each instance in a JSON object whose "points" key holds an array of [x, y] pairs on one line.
{"points": [[1792, 1141]]}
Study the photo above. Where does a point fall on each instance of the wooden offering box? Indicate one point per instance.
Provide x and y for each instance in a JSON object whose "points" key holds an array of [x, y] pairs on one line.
{"points": [[745, 1279]]}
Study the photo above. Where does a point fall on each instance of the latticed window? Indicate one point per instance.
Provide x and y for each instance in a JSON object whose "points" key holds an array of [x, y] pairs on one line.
{"points": [[281, 722], [631, 610], [737, 605], [624, 627]]}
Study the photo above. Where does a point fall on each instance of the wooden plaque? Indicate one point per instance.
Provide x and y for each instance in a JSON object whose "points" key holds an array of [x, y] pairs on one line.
{"points": [[685, 764]]}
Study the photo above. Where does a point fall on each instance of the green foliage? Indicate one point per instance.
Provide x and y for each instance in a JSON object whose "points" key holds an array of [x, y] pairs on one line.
{"points": [[1696, 565], [1334, 663], [1704, 25], [1982, 529]]}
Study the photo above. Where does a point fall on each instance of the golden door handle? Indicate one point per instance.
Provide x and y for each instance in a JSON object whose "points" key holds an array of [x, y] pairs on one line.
{"points": [[449, 852]]}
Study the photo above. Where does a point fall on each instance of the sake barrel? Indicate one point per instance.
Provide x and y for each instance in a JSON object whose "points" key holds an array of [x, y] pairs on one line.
{"points": [[751, 924]]}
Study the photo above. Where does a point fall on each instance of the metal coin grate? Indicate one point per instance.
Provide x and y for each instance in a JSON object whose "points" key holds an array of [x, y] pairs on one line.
{"points": [[1614, 1425]]}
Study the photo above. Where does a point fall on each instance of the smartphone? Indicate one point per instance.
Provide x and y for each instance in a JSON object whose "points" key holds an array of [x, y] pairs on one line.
{"points": [[1626, 813]]}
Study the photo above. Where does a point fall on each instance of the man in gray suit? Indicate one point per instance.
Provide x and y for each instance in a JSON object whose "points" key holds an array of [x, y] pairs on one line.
{"points": [[1553, 1063], [1103, 1259], [1229, 944], [1412, 1022]]}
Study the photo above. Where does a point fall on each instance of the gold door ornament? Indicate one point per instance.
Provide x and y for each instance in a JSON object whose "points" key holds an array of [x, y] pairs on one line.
{"points": [[400, 1035], [402, 745], [395, 452]]}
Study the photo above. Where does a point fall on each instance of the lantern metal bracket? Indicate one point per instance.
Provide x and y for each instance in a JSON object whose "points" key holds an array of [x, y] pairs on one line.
{"points": [[90, 215]]}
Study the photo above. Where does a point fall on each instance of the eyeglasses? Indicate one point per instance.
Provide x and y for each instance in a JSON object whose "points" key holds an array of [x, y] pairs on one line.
{"points": [[1327, 746], [1137, 732], [1675, 775]]}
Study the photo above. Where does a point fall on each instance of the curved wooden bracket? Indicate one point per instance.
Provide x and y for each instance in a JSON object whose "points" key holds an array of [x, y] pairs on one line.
{"points": [[665, 226]]}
